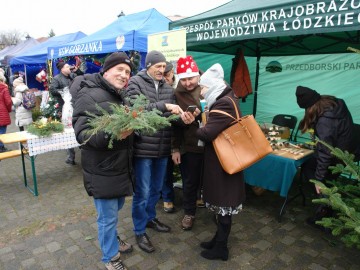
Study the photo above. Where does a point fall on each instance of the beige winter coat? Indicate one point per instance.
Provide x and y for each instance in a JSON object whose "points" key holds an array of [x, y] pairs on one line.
{"points": [[23, 117]]}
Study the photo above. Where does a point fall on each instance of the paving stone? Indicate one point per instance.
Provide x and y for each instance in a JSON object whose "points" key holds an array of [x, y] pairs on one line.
{"points": [[28, 262], [38, 250], [288, 240], [285, 257], [262, 245], [53, 246], [5, 250], [315, 266], [76, 234]]}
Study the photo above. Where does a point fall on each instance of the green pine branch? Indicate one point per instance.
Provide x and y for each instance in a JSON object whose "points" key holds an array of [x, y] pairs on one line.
{"points": [[343, 195], [123, 118]]}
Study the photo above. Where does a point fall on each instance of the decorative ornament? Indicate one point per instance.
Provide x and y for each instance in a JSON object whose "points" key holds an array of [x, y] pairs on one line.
{"points": [[42, 77]]}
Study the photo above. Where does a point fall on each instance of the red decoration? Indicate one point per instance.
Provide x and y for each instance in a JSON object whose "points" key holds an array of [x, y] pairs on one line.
{"points": [[41, 77]]}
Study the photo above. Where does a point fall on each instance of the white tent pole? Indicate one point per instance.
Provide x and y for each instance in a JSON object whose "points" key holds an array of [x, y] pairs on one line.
{"points": [[25, 74]]}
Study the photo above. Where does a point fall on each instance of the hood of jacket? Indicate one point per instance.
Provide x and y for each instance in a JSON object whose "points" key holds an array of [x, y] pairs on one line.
{"points": [[338, 112], [21, 88]]}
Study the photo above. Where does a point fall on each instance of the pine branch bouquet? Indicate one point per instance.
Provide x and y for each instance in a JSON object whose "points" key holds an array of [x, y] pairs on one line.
{"points": [[123, 119], [45, 127]]}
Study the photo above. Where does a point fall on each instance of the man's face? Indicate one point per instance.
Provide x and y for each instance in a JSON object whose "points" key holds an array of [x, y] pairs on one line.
{"points": [[157, 71], [118, 76], [190, 83], [66, 70], [169, 77]]}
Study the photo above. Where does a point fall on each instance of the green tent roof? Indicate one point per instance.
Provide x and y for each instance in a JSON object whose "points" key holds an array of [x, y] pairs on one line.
{"points": [[275, 27]]}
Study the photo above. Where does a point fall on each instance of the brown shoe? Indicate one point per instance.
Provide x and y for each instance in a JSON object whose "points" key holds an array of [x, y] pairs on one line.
{"points": [[169, 207], [200, 203], [187, 222], [124, 247]]}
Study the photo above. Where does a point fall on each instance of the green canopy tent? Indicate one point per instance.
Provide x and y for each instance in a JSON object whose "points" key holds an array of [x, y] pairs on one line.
{"points": [[274, 28]]}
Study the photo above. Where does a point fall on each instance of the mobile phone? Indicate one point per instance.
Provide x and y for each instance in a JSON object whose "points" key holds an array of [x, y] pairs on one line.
{"points": [[191, 108]]}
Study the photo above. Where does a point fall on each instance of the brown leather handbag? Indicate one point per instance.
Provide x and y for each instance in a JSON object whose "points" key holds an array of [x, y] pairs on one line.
{"points": [[241, 144]]}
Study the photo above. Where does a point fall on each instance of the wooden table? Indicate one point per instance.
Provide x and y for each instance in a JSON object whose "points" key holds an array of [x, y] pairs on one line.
{"points": [[21, 138], [31, 145]]}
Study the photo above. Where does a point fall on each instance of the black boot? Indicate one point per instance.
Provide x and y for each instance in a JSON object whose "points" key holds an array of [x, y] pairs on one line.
{"points": [[220, 249], [209, 244]]}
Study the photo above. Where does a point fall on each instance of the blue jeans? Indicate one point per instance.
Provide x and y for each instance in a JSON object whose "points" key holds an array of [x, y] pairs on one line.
{"points": [[107, 220], [2, 131], [167, 191], [149, 174]]}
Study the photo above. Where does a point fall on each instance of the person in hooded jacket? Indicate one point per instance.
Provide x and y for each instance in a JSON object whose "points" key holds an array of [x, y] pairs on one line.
{"points": [[107, 172], [332, 123], [223, 193], [23, 117]]}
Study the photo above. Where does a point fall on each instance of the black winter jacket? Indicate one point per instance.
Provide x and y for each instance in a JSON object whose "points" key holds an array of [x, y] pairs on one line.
{"points": [[334, 126], [58, 83], [75, 86], [107, 172], [159, 144]]}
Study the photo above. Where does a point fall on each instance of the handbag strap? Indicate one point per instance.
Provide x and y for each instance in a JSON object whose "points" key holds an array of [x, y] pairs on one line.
{"points": [[237, 119]]}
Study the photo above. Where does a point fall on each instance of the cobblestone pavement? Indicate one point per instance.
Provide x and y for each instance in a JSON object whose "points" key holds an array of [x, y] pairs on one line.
{"points": [[57, 230]]}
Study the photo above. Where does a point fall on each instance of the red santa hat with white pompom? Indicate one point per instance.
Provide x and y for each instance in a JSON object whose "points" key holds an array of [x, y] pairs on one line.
{"points": [[186, 67]]}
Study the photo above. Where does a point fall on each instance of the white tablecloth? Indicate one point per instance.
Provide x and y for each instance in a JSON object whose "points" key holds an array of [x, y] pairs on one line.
{"points": [[57, 141]]}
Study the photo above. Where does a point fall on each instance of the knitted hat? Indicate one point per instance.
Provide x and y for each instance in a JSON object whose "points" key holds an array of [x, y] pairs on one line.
{"points": [[18, 81], [186, 67], [168, 67], [154, 57], [306, 97], [213, 75], [60, 65], [116, 58]]}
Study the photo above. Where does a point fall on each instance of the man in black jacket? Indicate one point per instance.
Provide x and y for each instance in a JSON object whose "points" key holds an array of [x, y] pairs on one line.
{"points": [[151, 152], [107, 172], [58, 83]]}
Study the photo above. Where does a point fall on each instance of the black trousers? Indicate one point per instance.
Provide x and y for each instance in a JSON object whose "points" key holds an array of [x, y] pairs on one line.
{"points": [[193, 164], [308, 170]]}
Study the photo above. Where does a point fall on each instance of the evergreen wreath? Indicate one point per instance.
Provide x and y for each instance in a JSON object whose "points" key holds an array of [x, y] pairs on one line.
{"points": [[45, 127]]}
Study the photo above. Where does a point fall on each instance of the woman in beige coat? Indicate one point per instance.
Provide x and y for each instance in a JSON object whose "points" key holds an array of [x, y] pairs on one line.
{"points": [[23, 117]]}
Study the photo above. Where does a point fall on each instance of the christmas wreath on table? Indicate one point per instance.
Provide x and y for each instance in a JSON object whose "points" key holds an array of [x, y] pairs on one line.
{"points": [[123, 119], [45, 127]]}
